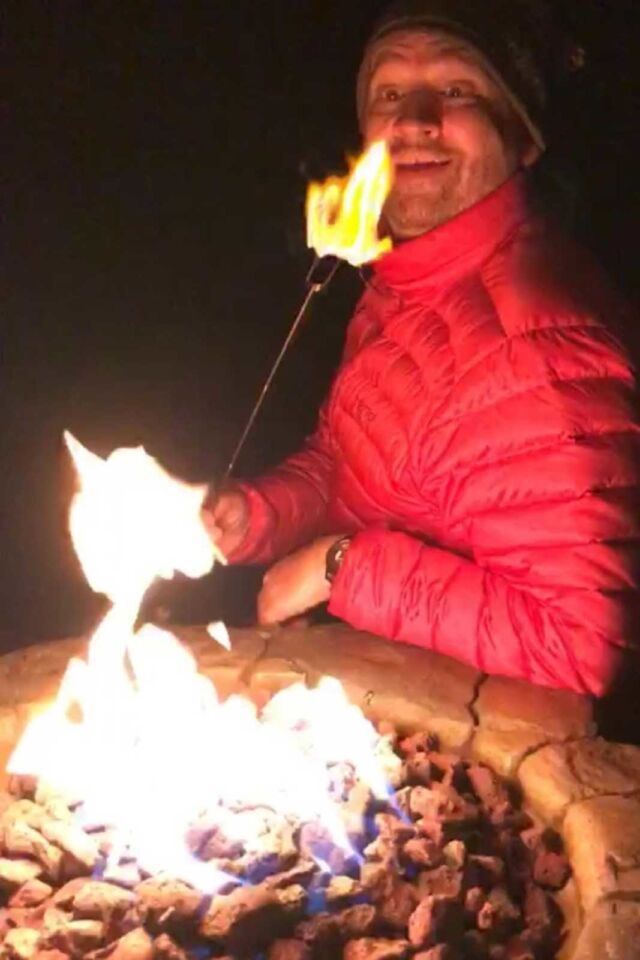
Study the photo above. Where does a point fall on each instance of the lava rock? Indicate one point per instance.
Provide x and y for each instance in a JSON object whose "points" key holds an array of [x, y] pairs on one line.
{"points": [[15, 873], [487, 787], [328, 931], [373, 948], [341, 889], [20, 944], [444, 882], [542, 915], [455, 854], [474, 900], [63, 897], [520, 947], [24, 841], [422, 851], [484, 871], [423, 803], [165, 948], [441, 951], [50, 955], [77, 937], [31, 894], [551, 869], [420, 742], [165, 902], [289, 950], [433, 920], [249, 917], [417, 770], [97, 900], [395, 900]]}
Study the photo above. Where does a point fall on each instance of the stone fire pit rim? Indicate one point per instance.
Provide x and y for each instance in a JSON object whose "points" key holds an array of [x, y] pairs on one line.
{"points": [[544, 740]]}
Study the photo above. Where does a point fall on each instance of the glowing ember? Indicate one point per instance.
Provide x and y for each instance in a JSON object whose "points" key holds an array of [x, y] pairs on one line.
{"points": [[343, 212], [137, 739]]}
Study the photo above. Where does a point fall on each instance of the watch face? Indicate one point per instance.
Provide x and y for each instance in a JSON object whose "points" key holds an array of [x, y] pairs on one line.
{"points": [[335, 556]]}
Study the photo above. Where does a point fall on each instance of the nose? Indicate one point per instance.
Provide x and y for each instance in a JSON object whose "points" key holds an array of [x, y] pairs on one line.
{"points": [[420, 109]]}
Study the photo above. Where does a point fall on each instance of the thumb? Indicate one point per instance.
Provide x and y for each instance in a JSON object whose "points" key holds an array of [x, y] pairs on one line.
{"points": [[207, 514]]}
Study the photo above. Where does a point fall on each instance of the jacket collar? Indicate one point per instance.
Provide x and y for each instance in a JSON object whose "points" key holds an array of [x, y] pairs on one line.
{"points": [[460, 245]]}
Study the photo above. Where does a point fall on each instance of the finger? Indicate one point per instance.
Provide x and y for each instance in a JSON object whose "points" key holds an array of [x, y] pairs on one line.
{"points": [[210, 524], [265, 616], [227, 505], [267, 610], [216, 534]]}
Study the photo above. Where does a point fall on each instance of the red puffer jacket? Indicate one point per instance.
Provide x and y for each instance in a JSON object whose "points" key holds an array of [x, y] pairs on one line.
{"points": [[481, 440]]}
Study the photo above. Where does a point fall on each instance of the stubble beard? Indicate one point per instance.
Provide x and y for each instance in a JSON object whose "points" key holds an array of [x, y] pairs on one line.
{"points": [[408, 215], [411, 211]]}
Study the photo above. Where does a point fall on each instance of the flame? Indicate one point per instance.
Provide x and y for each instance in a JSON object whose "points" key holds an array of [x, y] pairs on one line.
{"points": [[343, 212], [131, 522], [218, 632], [137, 739]]}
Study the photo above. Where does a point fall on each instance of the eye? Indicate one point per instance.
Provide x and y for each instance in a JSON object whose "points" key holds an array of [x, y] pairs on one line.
{"points": [[458, 91], [389, 94]]}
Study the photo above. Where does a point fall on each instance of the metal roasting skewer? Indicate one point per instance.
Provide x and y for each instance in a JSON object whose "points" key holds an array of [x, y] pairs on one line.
{"points": [[320, 274]]}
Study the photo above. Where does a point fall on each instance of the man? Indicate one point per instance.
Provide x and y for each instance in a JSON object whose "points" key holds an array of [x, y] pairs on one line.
{"points": [[473, 483]]}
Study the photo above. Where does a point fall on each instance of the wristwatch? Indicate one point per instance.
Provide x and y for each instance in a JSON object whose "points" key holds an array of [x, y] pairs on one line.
{"points": [[335, 556]]}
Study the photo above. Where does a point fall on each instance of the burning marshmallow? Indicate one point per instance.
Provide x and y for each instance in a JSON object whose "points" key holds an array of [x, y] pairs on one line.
{"points": [[343, 212]]}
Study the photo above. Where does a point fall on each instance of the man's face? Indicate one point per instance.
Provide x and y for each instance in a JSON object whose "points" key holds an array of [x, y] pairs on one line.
{"points": [[453, 134]]}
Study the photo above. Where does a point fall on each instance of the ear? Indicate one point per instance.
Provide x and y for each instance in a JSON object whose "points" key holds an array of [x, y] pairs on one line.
{"points": [[530, 153], [518, 137]]}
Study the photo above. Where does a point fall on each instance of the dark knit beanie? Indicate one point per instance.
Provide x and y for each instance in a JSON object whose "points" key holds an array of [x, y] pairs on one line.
{"points": [[518, 41]]}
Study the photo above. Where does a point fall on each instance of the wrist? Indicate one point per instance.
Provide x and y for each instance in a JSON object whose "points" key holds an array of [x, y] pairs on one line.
{"points": [[335, 556]]}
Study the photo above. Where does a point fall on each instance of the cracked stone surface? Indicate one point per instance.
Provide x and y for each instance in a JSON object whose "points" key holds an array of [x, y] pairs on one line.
{"points": [[561, 774], [611, 932], [420, 689], [602, 837], [515, 718], [504, 750], [504, 704], [229, 669]]}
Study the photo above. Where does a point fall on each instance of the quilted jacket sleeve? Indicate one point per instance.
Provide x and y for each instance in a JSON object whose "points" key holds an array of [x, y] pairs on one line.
{"points": [[551, 509], [288, 505]]}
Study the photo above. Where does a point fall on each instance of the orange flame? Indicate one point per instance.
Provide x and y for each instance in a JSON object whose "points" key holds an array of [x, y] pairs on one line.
{"points": [[343, 212]]}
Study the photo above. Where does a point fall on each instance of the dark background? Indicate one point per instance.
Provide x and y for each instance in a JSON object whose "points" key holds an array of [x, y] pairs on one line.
{"points": [[154, 172]]}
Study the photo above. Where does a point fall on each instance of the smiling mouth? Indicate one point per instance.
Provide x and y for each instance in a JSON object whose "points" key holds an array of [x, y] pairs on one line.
{"points": [[421, 166]]}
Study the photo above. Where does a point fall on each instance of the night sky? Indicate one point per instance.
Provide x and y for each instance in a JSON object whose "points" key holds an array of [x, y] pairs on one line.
{"points": [[154, 175]]}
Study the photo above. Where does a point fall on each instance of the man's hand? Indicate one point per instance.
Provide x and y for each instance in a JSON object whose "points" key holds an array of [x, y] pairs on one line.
{"points": [[226, 517], [296, 584]]}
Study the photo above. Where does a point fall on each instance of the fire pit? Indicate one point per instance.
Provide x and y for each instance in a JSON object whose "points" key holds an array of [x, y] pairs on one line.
{"points": [[542, 741], [290, 795]]}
